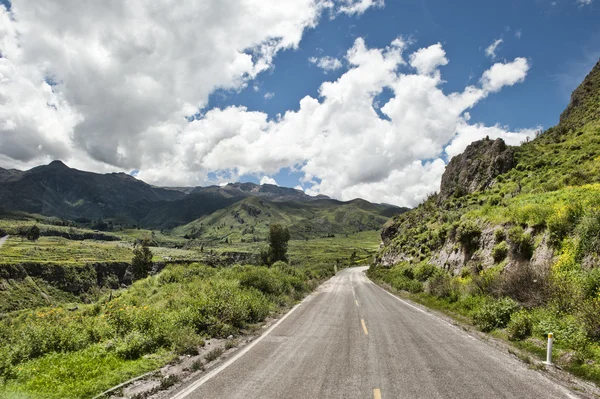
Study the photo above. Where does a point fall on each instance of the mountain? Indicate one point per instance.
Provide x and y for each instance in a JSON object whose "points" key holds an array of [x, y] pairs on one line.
{"points": [[249, 219], [57, 190], [492, 186], [512, 242], [267, 191], [67, 193]]}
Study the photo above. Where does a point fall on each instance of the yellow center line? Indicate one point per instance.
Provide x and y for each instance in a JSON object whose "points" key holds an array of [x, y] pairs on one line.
{"points": [[376, 394], [356, 302], [364, 326]]}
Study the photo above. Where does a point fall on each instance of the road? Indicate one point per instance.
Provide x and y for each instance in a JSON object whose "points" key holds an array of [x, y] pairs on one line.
{"points": [[3, 240], [352, 339]]}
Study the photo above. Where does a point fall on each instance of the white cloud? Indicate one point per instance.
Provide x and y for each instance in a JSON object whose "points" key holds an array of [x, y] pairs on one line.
{"points": [[584, 2], [490, 51], [518, 33], [326, 63], [500, 75], [339, 142], [352, 7], [427, 60], [267, 180], [269, 95], [128, 74]]}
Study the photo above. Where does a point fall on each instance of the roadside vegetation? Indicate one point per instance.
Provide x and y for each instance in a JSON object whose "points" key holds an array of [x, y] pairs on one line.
{"points": [[63, 352], [520, 258], [78, 316]]}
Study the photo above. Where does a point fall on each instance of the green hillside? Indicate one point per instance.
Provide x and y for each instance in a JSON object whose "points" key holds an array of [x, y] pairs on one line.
{"points": [[248, 220], [518, 255]]}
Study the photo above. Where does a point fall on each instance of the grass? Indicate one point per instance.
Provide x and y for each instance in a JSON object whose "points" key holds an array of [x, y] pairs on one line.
{"points": [[64, 251], [141, 328], [81, 374]]}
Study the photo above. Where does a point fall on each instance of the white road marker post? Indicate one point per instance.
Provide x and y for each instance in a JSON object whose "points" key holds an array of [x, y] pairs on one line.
{"points": [[549, 350]]}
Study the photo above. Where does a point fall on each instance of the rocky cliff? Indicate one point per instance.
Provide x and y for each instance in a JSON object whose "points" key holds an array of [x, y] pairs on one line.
{"points": [[476, 168]]}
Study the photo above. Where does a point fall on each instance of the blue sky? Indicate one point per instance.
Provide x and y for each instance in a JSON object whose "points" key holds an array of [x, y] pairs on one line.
{"points": [[560, 38], [347, 98]]}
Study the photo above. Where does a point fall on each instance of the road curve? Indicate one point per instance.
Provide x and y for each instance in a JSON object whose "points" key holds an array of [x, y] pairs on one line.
{"points": [[352, 339]]}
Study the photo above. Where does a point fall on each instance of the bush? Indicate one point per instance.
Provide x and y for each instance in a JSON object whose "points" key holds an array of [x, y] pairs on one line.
{"points": [[424, 271], [468, 234], [141, 264], [263, 281], [185, 341], [499, 235], [495, 314], [526, 284], [442, 285], [500, 251], [134, 345], [214, 354], [567, 330], [522, 243], [520, 325], [589, 314]]}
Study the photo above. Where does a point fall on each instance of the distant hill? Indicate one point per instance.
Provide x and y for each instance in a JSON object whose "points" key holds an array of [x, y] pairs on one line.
{"points": [[59, 191], [249, 219]]}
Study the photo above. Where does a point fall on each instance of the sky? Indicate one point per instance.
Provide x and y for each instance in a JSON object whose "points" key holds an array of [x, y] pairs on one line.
{"points": [[347, 98]]}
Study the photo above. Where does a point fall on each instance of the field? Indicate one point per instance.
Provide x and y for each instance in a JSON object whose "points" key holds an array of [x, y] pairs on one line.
{"points": [[72, 330]]}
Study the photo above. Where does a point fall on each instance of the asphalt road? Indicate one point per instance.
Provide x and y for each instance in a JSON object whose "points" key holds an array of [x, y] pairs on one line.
{"points": [[352, 339], [3, 240]]}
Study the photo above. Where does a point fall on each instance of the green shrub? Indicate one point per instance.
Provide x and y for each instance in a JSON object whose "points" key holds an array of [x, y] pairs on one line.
{"points": [[442, 285], [263, 281], [214, 354], [499, 235], [495, 313], [567, 330], [468, 233], [134, 345], [520, 325], [185, 341], [589, 314], [521, 242], [500, 251], [424, 271], [588, 231]]}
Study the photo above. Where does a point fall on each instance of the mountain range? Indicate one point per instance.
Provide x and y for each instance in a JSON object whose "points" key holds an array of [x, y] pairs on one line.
{"points": [[240, 210]]}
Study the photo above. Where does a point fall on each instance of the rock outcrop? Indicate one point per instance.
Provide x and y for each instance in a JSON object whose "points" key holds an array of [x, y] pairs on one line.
{"points": [[476, 168], [583, 106]]}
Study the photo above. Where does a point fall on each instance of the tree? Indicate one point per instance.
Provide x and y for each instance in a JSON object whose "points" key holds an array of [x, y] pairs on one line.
{"points": [[141, 264], [34, 233], [278, 244]]}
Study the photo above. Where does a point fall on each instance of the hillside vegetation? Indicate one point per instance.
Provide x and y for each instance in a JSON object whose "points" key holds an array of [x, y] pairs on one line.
{"points": [[517, 252], [59, 352], [248, 220]]}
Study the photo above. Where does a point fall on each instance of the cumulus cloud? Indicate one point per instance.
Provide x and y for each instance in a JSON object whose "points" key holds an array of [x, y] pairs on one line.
{"points": [[500, 75], [113, 88], [127, 73], [269, 95], [357, 7], [267, 180], [340, 143], [490, 50], [584, 2], [428, 60], [326, 63]]}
